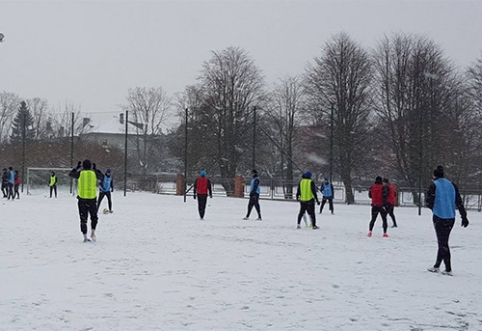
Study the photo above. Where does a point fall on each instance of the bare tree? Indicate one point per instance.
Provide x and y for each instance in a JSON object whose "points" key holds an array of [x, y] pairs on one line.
{"points": [[474, 91], [341, 77], [59, 122], [231, 87], [415, 93], [284, 112], [39, 108], [9, 104], [150, 108]]}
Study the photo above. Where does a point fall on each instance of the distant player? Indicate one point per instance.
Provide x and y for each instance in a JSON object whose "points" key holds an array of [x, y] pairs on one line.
{"points": [[390, 204], [306, 195], [106, 187], [202, 187], [16, 184], [443, 198], [5, 183], [376, 193], [53, 184], [11, 182], [327, 190], [86, 195], [254, 191]]}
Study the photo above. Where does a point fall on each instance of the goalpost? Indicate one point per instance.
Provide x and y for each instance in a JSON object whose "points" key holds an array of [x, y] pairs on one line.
{"points": [[38, 180]]}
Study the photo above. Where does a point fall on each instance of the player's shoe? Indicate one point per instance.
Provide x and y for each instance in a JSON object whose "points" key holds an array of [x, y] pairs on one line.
{"points": [[87, 240], [369, 234], [93, 237], [298, 226], [385, 235], [433, 269], [315, 227], [245, 218], [447, 273], [259, 219]]}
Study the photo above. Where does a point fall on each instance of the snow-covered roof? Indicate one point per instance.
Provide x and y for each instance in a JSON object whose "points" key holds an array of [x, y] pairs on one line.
{"points": [[110, 126]]}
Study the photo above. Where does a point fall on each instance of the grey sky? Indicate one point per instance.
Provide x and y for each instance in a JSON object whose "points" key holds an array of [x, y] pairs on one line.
{"points": [[89, 53]]}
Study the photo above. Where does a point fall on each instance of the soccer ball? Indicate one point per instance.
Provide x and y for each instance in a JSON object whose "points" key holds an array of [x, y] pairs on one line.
{"points": [[105, 211]]}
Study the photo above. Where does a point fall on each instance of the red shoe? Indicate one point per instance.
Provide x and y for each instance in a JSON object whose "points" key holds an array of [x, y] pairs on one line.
{"points": [[385, 235], [369, 234]]}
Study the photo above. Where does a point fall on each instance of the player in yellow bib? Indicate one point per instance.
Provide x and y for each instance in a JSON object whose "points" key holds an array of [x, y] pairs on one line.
{"points": [[86, 195]]}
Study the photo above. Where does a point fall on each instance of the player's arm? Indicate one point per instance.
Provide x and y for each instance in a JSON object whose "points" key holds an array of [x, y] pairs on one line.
{"points": [[210, 189], [430, 196]]}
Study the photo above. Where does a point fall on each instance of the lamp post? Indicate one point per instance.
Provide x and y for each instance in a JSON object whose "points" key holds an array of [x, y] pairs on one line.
{"points": [[331, 142], [185, 155], [23, 145], [254, 139], [420, 162]]}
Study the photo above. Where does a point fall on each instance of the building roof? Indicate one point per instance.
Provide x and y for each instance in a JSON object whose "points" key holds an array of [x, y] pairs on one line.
{"points": [[112, 125]]}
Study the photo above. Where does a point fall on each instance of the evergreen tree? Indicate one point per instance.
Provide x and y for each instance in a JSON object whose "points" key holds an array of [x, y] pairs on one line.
{"points": [[22, 121]]}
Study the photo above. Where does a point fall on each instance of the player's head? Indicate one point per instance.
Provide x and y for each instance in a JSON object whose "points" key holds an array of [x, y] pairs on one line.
{"points": [[438, 172], [308, 174], [378, 180], [108, 171], [203, 173], [87, 165]]}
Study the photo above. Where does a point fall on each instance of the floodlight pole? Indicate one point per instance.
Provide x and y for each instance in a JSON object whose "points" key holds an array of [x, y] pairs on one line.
{"points": [[72, 150], [185, 155], [23, 146], [253, 166], [331, 142], [125, 153]]}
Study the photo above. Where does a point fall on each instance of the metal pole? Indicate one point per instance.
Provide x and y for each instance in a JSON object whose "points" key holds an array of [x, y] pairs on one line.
{"points": [[125, 153], [420, 164], [72, 150], [185, 155], [331, 142], [23, 146], [253, 166]]}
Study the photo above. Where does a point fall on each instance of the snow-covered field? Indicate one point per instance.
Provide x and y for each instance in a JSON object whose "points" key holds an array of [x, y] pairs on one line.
{"points": [[156, 266]]}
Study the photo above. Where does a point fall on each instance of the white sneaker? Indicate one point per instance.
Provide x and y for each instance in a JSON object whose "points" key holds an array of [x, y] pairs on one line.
{"points": [[433, 269], [447, 273], [245, 218]]}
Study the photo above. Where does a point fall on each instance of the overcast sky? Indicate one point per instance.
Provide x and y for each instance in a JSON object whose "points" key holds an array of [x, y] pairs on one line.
{"points": [[89, 53]]}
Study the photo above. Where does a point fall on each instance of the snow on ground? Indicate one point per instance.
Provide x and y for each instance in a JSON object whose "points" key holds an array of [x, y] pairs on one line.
{"points": [[156, 266]]}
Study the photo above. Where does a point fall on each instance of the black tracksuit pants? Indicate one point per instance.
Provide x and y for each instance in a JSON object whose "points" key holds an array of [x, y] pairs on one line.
{"points": [[330, 202], [201, 204], [53, 188], [254, 202], [10, 191], [16, 193], [309, 207], [101, 197], [389, 208], [443, 227], [375, 211], [86, 207]]}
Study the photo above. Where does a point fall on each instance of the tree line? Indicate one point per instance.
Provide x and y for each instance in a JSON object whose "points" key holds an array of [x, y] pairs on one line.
{"points": [[396, 110]]}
